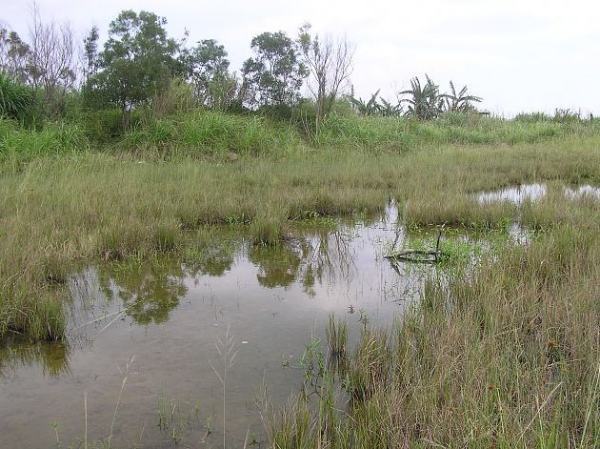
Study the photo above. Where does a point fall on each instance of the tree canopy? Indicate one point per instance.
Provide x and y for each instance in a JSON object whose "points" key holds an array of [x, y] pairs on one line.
{"points": [[276, 72]]}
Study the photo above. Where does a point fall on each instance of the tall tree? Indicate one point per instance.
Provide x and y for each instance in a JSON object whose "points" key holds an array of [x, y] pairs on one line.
{"points": [[206, 66], [15, 55], [136, 63], [276, 72], [330, 65], [52, 60], [90, 53]]}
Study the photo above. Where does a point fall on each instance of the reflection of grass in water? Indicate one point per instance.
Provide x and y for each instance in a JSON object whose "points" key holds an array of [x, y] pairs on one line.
{"points": [[53, 357]]}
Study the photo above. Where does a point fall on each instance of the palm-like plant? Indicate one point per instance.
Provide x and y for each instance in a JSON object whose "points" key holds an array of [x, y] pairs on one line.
{"points": [[368, 107], [387, 109], [376, 106], [425, 101], [461, 101]]}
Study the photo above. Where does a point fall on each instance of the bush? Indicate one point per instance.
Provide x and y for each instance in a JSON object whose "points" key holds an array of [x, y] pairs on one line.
{"points": [[17, 101], [209, 132], [106, 125]]}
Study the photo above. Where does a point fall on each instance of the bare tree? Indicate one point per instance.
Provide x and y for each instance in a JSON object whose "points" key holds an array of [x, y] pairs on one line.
{"points": [[330, 65], [52, 64]]}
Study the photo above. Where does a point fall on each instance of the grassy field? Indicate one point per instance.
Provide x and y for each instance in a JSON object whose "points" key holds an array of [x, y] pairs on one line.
{"points": [[507, 357], [65, 201]]}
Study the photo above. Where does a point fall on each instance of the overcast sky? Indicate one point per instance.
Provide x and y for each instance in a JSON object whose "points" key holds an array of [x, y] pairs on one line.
{"points": [[519, 55]]}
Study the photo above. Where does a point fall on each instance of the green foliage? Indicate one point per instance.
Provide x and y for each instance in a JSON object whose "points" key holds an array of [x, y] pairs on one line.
{"points": [[211, 132], [90, 53], [275, 74], [17, 101], [18, 145], [14, 55], [207, 68], [136, 63], [106, 125], [374, 106], [176, 98], [424, 101], [460, 101]]}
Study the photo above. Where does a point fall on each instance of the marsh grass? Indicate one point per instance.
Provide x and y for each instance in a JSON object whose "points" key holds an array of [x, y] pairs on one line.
{"points": [[67, 209]]}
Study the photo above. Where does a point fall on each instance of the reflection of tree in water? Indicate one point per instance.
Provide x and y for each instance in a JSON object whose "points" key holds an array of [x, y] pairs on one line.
{"points": [[52, 357], [149, 290], [306, 258], [278, 265], [214, 259]]}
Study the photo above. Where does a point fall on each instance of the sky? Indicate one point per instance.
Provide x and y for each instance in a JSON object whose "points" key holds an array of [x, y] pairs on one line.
{"points": [[519, 55]]}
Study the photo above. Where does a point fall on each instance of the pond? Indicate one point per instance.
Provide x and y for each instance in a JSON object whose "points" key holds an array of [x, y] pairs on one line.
{"points": [[142, 338]]}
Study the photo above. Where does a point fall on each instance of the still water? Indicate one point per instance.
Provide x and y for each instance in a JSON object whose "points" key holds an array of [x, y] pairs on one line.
{"points": [[142, 337]]}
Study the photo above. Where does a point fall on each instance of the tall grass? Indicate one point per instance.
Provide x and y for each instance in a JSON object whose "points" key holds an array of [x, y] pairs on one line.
{"points": [[400, 133], [203, 133], [19, 146]]}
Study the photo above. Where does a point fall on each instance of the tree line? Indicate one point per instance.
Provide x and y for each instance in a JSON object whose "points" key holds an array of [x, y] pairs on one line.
{"points": [[140, 65]]}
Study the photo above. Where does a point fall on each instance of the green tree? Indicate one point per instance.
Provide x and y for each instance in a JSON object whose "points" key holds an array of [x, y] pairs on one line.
{"points": [[137, 62], [273, 77], [15, 55], [90, 53], [206, 65]]}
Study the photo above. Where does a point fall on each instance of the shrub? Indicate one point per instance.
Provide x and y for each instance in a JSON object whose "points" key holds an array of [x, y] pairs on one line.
{"points": [[17, 101]]}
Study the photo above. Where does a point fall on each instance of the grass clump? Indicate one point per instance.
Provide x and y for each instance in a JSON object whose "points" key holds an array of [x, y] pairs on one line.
{"points": [[337, 337]]}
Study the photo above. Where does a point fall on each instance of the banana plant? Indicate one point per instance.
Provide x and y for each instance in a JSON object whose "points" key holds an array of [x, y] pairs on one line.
{"points": [[424, 101], [461, 101], [366, 108]]}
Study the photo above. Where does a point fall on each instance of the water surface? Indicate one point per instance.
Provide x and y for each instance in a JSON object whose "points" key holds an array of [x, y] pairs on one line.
{"points": [[139, 332]]}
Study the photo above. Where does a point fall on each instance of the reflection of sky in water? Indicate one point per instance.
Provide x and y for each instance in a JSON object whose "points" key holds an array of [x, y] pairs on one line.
{"points": [[169, 316], [532, 192], [516, 194]]}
